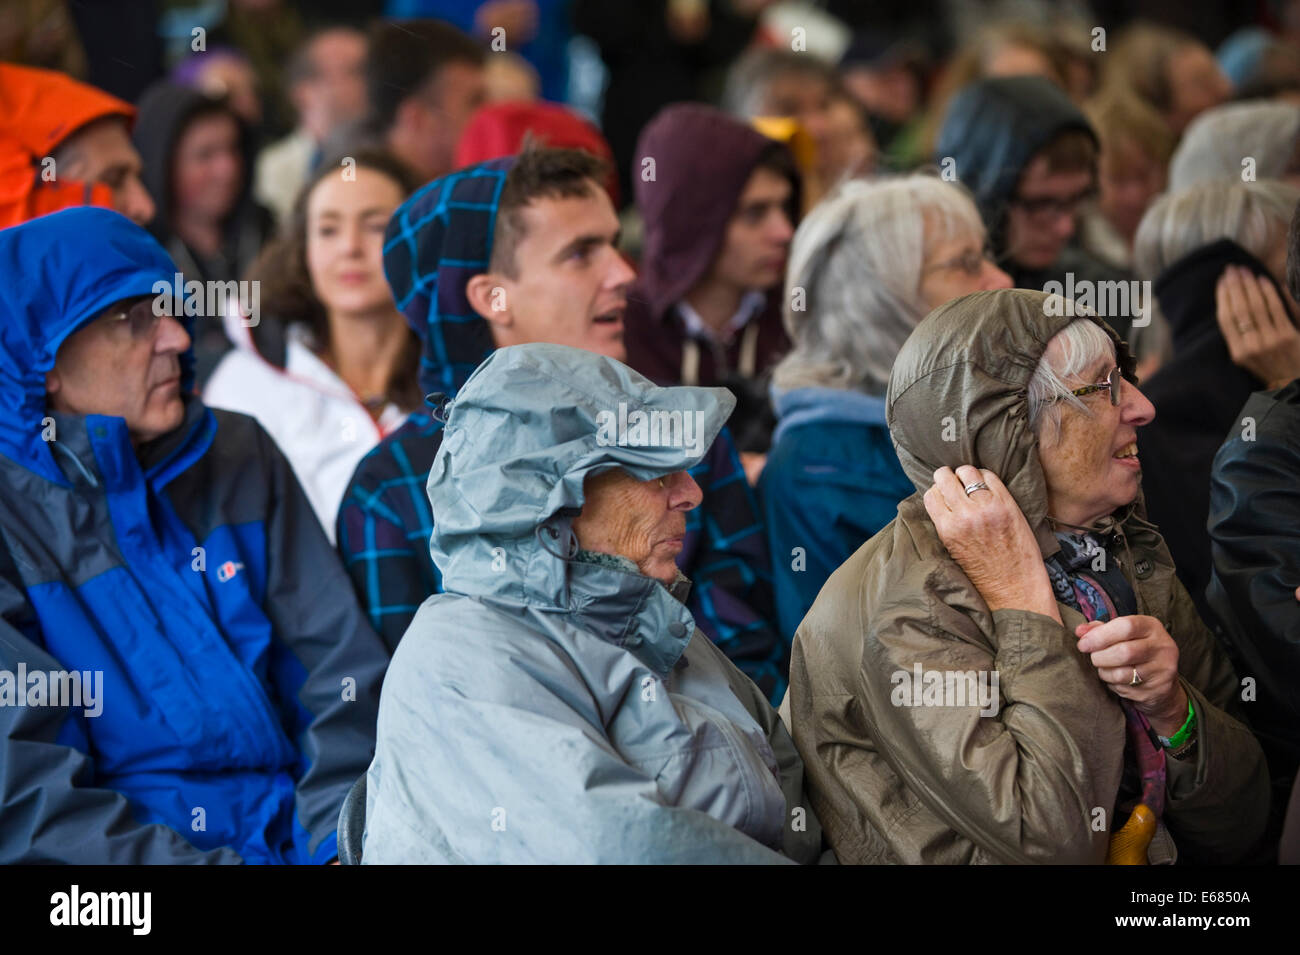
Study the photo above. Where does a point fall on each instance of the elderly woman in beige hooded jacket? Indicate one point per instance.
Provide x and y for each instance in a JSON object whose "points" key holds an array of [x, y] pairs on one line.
{"points": [[1010, 671]]}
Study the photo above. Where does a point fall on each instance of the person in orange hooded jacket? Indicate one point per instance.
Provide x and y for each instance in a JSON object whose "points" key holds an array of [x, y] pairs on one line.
{"points": [[65, 143]]}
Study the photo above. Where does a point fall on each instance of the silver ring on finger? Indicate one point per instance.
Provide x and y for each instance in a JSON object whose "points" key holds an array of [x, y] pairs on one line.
{"points": [[975, 486], [1136, 679]]}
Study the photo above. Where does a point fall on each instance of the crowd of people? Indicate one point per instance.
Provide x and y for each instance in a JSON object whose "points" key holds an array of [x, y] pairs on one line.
{"points": [[872, 438]]}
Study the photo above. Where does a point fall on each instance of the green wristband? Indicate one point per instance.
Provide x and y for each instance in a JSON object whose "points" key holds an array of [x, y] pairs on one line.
{"points": [[1184, 731]]}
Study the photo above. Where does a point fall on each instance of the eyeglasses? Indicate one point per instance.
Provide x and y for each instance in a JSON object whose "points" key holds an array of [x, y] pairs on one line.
{"points": [[1049, 207], [1114, 383], [141, 316], [970, 262]]}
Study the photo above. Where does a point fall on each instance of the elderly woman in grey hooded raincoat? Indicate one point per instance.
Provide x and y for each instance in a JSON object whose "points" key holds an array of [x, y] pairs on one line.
{"points": [[1010, 671], [557, 703]]}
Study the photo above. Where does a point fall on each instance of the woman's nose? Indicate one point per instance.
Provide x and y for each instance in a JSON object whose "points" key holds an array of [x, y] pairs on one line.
{"points": [[1137, 409], [685, 493]]}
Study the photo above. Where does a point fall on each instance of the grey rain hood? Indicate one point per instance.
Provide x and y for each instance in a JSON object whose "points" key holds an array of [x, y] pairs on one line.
{"points": [[558, 706]]}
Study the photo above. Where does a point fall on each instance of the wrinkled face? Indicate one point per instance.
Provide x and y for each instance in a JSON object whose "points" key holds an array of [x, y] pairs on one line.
{"points": [[1197, 84], [956, 266], [345, 240], [126, 363], [102, 153], [758, 236], [1042, 215], [570, 284], [644, 521], [208, 167], [1128, 180], [1092, 466], [336, 92]]}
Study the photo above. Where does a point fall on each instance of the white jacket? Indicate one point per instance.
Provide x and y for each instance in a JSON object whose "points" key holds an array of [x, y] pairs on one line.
{"points": [[313, 416]]}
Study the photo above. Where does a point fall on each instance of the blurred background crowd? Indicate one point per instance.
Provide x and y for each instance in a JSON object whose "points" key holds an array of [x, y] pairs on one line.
{"points": [[796, 185]]}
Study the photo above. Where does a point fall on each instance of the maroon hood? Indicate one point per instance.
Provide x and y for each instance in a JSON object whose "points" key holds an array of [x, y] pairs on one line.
{"points": [[702, 160]]}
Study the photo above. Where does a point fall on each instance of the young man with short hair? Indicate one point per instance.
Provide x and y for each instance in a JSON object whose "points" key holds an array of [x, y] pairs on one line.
{"points": [[522, 250]]}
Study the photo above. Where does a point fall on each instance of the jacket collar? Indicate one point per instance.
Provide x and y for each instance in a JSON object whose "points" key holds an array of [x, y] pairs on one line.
{"points": [[800, 406]]}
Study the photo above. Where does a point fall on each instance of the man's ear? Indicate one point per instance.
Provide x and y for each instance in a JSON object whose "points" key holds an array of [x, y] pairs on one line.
{"points": [[489, 297], [53, 382]]}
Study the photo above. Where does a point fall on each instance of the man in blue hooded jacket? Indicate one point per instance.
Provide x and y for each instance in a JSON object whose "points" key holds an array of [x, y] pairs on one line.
{"points": [[184, 674]]}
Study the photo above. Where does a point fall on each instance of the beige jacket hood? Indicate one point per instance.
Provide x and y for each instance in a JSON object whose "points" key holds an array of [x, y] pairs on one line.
{"points": [[895, 778]]}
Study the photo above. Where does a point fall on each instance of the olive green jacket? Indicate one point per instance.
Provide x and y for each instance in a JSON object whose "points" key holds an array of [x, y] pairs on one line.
{"points": [[1042, 779]]}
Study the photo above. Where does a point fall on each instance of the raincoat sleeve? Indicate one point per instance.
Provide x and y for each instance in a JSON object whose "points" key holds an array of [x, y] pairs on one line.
{"points": [[498, 754], [1218, 802], [1025, 779], [803, 831], [52, 811], [327, 663]]}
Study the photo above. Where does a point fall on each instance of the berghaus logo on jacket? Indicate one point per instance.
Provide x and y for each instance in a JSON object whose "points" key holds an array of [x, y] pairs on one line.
{"points": [[228, 569]]}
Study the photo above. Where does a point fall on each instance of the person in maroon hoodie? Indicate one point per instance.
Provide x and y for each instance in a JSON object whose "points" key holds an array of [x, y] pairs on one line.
{"points": [[718, 200]]}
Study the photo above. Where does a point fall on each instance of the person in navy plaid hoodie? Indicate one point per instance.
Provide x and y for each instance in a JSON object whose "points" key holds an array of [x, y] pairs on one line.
{"points": [[500, 253]]}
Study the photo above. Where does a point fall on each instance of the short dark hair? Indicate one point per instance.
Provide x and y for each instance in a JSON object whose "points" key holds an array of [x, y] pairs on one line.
{"points": [[404, 55], [539, 172]]}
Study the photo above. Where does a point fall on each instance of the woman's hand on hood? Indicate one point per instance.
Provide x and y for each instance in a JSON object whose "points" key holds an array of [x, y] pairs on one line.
{"points": [[989, 538]]}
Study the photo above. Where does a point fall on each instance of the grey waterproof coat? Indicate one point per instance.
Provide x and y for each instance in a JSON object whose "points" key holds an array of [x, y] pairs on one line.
{"points": [[554, 706]]}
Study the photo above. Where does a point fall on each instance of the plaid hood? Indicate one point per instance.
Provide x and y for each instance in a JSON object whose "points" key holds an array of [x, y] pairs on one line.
{"points": [[436, 242]]}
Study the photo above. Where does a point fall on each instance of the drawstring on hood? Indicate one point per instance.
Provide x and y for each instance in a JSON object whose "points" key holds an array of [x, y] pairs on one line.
{"points": [[524, 432]]}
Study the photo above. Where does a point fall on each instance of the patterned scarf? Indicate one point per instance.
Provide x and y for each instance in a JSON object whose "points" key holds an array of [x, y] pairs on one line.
{"points": [[1086, 577]]}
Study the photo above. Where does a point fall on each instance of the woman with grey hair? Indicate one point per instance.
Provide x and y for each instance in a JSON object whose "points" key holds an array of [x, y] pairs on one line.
{"points": [[1224, 143], [865, 266], [1010, 671], [1210, 244]]}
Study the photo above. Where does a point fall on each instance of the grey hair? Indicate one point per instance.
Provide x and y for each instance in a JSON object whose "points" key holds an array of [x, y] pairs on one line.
{"points": [[857, 259], [1069, 353], [1255, 215], [1216, 142], [749, 78]]}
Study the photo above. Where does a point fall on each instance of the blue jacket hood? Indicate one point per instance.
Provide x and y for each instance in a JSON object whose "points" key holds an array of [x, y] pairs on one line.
{"points": [[57, 274], [524, 432], [991, 130], [437, 241]]}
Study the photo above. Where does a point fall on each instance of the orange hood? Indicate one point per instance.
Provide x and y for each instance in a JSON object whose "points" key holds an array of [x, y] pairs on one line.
{"points": [[39, 109]]}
